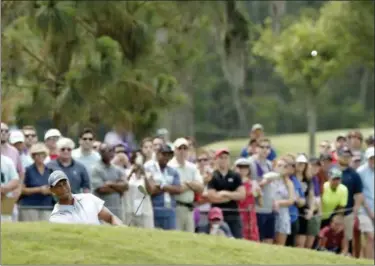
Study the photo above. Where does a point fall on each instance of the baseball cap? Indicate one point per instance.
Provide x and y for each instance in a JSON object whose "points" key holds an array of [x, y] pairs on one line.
{"points": [[180, 142], [55, 177], [242, 161], [221, 151], [344, 150], [16, 136], [53, 132], [256, 127], [334, 172], [215, 213], [165, 149], [301, 158], [370, 153]]}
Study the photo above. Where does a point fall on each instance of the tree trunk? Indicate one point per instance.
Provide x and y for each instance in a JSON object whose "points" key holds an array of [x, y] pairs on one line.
{"points": [[364, 86], [311, 122], [277, 10]]}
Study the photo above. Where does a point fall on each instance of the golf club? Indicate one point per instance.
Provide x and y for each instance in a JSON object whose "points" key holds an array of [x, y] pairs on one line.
{"points": [[143, 190]]}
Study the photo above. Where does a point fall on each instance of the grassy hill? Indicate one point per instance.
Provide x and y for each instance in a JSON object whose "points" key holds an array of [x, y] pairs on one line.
{"points": [[44, 243], [285, 143]]}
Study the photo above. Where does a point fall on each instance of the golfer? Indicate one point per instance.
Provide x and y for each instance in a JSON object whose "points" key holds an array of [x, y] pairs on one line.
{"points": [[82, 208]]}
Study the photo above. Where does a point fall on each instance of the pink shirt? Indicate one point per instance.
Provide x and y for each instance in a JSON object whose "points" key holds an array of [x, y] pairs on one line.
{"points": [[12, 153]]}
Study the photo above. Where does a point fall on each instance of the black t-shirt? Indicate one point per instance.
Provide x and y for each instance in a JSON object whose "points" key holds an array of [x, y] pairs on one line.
{"points": [[229, 182], [306, 185]]}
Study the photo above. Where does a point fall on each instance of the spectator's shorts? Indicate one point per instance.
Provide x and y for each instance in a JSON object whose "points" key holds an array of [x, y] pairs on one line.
{"points": [[313, 226], [266, 225], [366, 225], [349, 226], [283, 224]]}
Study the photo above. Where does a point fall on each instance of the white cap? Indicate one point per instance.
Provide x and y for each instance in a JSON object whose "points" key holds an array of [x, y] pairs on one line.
{"points": [[16, 136], [53, 132], [301, 159], [370, 153], [242, 161], [180, 142], [65, 143], [257, 126]]}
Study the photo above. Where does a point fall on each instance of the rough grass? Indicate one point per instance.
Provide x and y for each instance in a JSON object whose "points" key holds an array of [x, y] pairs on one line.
{"points": [[283, 144], [44, 243]]}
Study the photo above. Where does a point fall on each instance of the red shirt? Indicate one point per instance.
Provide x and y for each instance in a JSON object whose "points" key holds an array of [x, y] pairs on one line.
{"points": [[334, 239], [53, 156]]}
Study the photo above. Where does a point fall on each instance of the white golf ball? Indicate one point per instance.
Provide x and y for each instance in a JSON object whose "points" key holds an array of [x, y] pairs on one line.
{"points": [[314, 53]]}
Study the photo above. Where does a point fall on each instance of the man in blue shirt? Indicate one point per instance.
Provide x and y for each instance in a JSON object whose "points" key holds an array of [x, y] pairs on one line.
{"points": [[366, 213], [78, 177], [353, 183], [257, 132], [167, 185]]}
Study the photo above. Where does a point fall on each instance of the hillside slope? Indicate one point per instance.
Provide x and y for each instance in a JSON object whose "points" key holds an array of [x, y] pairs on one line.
{"points": [[43, 243]]}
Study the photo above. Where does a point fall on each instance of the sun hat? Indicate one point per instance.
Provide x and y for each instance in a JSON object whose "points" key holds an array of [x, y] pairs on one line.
{"points": [[242, 162], [53, 132], [257, 127], [38, 148]]}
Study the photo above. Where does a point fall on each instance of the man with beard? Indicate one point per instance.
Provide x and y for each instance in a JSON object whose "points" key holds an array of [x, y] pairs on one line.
{"points": [[353, 183], [82, 208]]}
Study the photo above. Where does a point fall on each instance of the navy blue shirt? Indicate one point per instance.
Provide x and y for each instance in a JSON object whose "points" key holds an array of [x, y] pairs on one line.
{"points": [[76, 172], [34, 179], [353, 182]]}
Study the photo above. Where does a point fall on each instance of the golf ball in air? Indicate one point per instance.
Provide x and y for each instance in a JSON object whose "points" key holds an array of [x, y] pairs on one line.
{"points": [[314, 53]]}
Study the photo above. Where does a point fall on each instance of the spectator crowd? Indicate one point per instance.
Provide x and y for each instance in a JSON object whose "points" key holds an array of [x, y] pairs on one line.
{"points": [[324, 202]]}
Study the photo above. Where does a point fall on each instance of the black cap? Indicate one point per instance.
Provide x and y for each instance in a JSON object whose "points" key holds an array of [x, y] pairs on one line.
{"points": [[314, 161], [325, 157], [165, 149], [344, 150]]}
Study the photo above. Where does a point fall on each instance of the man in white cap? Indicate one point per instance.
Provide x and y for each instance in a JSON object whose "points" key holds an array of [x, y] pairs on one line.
{"points": [[77, 208], [17, 139], [191, 181], [50, 138], [366, 213]]}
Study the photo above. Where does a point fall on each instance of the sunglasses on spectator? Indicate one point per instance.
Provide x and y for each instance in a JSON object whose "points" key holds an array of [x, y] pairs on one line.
{"points": [[66, 149], [4, 130], [183, 148], [202, 159], [89, 139], [30, 135], [265, 147]]}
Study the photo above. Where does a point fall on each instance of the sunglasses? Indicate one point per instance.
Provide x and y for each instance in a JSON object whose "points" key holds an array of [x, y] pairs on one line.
{"points": [[89, 139], [202, 160], [265, 147], [66, 149], [183, 148], [4, 130], [30, 135]]}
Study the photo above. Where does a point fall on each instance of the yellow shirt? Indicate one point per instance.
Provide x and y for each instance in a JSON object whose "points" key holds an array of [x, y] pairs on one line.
{"points": [[333, 199]]}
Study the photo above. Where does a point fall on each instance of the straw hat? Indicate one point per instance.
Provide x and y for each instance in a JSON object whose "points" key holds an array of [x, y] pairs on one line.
{"points": [[38, 148]]}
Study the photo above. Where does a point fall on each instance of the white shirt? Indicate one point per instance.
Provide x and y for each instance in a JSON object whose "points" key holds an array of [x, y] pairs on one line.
{"points": [[84, 210], [134, 198], [187, 172]]}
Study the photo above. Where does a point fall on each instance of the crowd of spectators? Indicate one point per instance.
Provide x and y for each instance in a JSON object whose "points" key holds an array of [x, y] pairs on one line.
{"points": [[324, 202]]}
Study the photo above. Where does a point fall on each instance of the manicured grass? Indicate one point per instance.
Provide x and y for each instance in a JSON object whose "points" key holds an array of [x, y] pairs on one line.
{"points": [[44, 243], [283, 144]]}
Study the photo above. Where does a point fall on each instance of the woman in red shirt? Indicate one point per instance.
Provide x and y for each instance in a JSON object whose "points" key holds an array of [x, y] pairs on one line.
{"points": [[247, 206]]}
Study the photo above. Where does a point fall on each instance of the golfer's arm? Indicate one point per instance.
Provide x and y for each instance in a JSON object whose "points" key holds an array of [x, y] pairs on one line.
{"points": [[109, 217]]}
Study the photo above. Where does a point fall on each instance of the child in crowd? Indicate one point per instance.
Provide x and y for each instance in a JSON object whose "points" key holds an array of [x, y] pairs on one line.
{"points": [[332, 236]]}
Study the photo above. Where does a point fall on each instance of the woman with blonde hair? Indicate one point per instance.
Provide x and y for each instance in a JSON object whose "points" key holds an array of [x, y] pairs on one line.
{"points": [[284, 197], [36, 200]]}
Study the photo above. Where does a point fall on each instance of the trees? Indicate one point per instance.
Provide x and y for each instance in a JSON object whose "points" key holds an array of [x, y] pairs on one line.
{"points": [[82, 62], [290, 52]]}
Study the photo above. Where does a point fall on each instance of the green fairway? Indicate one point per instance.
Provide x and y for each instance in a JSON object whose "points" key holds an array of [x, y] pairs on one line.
{"points": [[284, 143], [43, 243]]}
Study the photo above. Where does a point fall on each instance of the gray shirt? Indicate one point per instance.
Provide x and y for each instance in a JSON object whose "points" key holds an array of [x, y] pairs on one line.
{"points": [[100, 175], [256, 168]]}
